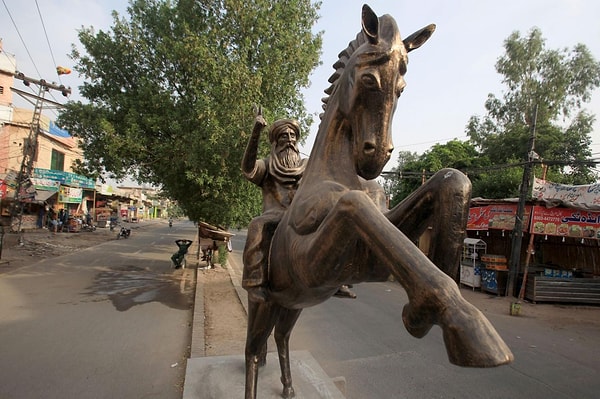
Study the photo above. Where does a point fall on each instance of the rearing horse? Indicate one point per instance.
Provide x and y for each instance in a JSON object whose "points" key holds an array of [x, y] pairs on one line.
{"points": [[337, 229]]}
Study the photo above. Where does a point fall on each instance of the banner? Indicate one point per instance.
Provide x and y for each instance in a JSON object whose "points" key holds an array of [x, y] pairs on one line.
{"points": [[566, 222], [3, 189], [65, 178], [70, 195], [581, 197], [45, 184], [498, 217]]}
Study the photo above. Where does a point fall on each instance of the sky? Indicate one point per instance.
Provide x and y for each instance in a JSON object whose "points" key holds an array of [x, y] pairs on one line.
{"points": [[448, 79]]}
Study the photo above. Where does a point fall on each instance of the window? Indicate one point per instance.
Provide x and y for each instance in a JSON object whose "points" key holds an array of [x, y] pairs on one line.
{"points": [[58, 160]]}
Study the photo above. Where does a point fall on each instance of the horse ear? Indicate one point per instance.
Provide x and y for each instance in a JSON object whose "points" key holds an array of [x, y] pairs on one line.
{"points": [[417, 39], [370, 24]]}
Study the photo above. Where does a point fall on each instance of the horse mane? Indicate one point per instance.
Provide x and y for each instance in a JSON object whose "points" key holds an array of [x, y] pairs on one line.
{"points": [[345, 55], [340, 65]]}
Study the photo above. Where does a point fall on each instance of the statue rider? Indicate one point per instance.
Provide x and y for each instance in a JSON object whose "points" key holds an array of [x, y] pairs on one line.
{"points": [[278, 176]]}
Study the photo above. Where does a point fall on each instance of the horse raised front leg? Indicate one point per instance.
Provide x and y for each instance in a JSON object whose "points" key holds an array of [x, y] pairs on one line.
{"points": [[434, 298], [283, 329]]}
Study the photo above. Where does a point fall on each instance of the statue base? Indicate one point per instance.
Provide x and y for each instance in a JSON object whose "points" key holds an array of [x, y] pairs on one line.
{"points": [[219, 377]]}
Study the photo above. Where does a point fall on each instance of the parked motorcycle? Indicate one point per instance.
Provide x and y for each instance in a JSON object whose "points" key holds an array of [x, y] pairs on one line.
{"points": [[88, 227], [124, 233]]}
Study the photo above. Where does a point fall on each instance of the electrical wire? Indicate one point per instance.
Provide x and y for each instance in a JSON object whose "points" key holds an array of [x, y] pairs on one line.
{"points": [[51, 54], [21, 37], [438, 141], [29, 53], [47, 39]]}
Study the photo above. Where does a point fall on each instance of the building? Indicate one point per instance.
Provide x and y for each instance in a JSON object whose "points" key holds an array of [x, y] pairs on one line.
{"points": [[51, 185]]}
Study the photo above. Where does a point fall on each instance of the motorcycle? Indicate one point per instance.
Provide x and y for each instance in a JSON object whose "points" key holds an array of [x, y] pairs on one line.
{"points": [[124, 233], [88, 227]]}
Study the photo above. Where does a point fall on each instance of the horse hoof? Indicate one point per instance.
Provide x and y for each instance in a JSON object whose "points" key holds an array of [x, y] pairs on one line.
{"points": [[416, 323], [345, 292], [288, 393], [471, 340]]}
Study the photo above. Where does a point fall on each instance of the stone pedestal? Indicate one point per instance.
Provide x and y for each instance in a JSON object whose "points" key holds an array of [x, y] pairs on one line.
{"points": [[220, 377]]}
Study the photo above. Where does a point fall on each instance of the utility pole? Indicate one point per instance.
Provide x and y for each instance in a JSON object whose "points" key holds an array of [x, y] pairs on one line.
{"points": [[30, 147], [515, 252]]}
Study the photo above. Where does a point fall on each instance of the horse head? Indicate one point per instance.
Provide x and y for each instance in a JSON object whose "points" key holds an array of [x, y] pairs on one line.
{"points": [[368, 80]]}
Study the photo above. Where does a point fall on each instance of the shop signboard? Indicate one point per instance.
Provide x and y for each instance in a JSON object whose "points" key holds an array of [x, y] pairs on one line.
{"points": [[70, 195], [3, 189], [45, 184], [498, 217], [26, 192], [65, 178], [566, 222]]}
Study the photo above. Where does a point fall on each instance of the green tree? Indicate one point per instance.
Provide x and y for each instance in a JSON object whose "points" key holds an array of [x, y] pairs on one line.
{"points": [[171, 90], [412, 169], [396, 183], [559, 82]]}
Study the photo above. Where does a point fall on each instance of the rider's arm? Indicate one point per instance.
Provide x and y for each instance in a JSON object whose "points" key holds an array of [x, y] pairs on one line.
{"points": [[251, 167]]}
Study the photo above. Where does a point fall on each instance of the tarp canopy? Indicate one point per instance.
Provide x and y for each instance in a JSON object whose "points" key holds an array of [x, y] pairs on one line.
{"points": [[585, 197], [40, 196], [206, 230]]}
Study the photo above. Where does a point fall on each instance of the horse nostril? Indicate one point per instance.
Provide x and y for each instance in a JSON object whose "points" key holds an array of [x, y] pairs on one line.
{"points": [[369, 148]]}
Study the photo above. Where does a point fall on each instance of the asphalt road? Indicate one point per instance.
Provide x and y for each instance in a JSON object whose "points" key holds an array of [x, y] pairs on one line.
{"points": [[111, 321], [364, 341]]}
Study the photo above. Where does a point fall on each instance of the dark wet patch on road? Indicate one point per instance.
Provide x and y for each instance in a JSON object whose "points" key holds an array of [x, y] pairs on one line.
{"points": [[128, 286]]}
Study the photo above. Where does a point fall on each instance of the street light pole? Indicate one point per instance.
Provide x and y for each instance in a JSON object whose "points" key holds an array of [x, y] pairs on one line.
{"points": [[515, 252]]}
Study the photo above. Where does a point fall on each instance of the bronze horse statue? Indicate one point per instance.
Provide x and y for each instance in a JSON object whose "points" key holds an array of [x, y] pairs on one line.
{"points": [[338, 230]]}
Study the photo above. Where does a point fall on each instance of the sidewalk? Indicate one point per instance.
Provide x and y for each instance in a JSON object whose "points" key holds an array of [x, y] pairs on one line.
{"points": [[234, 267]]}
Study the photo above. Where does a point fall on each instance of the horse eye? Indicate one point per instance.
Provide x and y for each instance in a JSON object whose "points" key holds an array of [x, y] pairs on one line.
{"points": [[369, 80]]}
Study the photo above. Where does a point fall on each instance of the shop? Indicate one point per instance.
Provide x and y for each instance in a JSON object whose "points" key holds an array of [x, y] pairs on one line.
{"points": [[48, 194], [74, 193], [560, 256]]}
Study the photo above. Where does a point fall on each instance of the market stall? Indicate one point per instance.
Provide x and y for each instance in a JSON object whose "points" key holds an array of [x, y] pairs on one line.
{"points": [[560, 257]]}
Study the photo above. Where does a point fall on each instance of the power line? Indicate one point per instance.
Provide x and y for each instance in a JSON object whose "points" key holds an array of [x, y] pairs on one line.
{"points": [[432, 141], [47, 40], [21, 37], [476, 171]]}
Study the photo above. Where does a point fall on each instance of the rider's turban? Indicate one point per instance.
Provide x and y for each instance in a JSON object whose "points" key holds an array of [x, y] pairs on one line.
{"points": [[280, 125]]}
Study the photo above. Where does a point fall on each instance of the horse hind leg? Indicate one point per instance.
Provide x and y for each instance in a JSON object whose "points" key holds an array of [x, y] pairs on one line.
{"points": [[261, 320], [283, 329], [451, 211]]}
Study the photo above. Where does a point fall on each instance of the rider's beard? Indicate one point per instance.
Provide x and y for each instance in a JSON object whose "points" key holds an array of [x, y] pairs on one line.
{"points": [[289, 157]]}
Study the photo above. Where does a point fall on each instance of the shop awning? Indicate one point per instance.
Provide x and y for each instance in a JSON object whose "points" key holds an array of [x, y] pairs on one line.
{"points": [[43, 195]]}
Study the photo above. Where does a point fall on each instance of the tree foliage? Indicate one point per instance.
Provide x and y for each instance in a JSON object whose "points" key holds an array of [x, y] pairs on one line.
{"points": [[413, 169], [171, 91], [559, 82]]}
